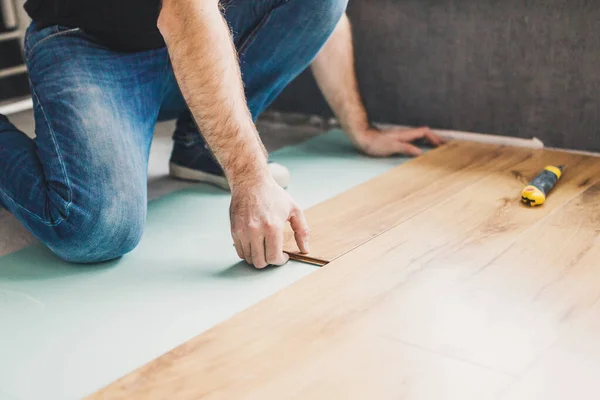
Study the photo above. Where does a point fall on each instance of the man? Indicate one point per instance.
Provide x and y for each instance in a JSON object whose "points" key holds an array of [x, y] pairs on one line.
{"points": [[103, 73]]}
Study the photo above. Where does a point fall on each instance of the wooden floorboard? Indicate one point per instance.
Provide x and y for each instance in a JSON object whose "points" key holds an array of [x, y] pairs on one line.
{"points": [[346, 221], [476, 297], [569, 369], [505, 308]]}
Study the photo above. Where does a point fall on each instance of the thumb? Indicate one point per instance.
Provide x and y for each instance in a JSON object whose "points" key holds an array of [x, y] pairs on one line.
{"points": [[300, 228]]}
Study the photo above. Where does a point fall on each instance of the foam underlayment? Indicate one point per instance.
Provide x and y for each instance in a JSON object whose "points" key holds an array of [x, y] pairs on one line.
{"points": [[66, 331]]}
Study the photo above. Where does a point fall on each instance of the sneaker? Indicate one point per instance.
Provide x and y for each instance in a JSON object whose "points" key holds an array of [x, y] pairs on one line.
{"points": [[196, 163]]}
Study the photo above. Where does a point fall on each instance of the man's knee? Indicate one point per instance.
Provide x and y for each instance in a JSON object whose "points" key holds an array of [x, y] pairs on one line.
{"points": [[318, 18], [102, 232], [329, 11], [336, 7]]}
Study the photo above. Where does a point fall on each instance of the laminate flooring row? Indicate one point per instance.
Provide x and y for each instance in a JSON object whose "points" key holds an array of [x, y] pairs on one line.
{"points": [[438, 284]]}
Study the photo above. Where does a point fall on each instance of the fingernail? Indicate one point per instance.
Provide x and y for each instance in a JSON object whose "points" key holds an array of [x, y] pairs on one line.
{"points": [[306, 246]]}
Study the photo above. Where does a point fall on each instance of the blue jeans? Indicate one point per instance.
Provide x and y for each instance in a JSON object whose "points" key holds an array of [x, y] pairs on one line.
{"points": [[80, 185]]}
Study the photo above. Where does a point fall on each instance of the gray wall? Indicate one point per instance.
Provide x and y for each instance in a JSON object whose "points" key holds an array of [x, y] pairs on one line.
{"points": [[512, 67]]}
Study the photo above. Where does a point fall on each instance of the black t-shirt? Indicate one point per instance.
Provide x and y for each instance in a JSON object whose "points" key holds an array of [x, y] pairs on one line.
{"points": [[123, 25]]}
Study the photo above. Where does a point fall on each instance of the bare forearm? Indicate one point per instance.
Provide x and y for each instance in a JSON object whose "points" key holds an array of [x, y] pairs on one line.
{"points": [[335, 74], [207, 70]]}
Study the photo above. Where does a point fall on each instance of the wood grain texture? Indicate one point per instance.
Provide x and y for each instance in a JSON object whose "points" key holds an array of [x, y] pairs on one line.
{"points": [[348, 220], [476, 298], [569, 369], [506, 307]]}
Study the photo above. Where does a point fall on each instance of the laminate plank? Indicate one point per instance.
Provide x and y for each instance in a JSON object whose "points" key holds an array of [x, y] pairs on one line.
{"points": [[378, 369], [507, 311], [569, 369], [275, 350], [403, 302], [346, 221]]}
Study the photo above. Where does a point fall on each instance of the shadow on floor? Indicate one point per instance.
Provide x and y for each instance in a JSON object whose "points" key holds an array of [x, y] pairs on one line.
{"points": [[242, 270]]}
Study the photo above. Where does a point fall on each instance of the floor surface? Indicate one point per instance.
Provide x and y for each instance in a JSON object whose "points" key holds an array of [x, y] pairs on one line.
{"points": [[67, 330], [457, 290]]}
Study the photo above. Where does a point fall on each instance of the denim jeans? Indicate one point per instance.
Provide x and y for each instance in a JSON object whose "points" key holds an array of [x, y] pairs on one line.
{"points": [[80, 185]]}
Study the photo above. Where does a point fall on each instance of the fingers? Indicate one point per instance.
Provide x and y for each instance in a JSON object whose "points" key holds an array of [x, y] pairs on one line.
{"points": [[300, 228], [274, 247], [241, 243], [261, 248], [433, 138], [409, 135], [257, 224], [257, 245], [238, 246], [408, 149], [404, 137], [247, 249]]}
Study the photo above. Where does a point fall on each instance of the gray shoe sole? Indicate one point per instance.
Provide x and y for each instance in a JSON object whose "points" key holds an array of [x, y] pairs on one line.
{"points": [[280, 174]]}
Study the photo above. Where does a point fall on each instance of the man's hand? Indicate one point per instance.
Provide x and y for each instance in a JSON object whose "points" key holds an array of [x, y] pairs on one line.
{"points": [[388, 142], [259, 214], [334, 71], [208, 73]]}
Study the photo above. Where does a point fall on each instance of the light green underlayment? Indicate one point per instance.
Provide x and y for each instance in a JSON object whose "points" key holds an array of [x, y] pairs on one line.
{"points": [[66, 331]]}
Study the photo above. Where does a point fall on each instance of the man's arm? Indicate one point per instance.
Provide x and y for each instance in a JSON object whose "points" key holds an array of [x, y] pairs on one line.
{"points": [[207, 70], [334, 72]]}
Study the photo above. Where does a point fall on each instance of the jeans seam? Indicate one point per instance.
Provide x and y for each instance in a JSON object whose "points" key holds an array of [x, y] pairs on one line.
{"points": [[250, 38], [61, 163], [31, 213], [56, 34], [58, 153], [26, 210]]}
